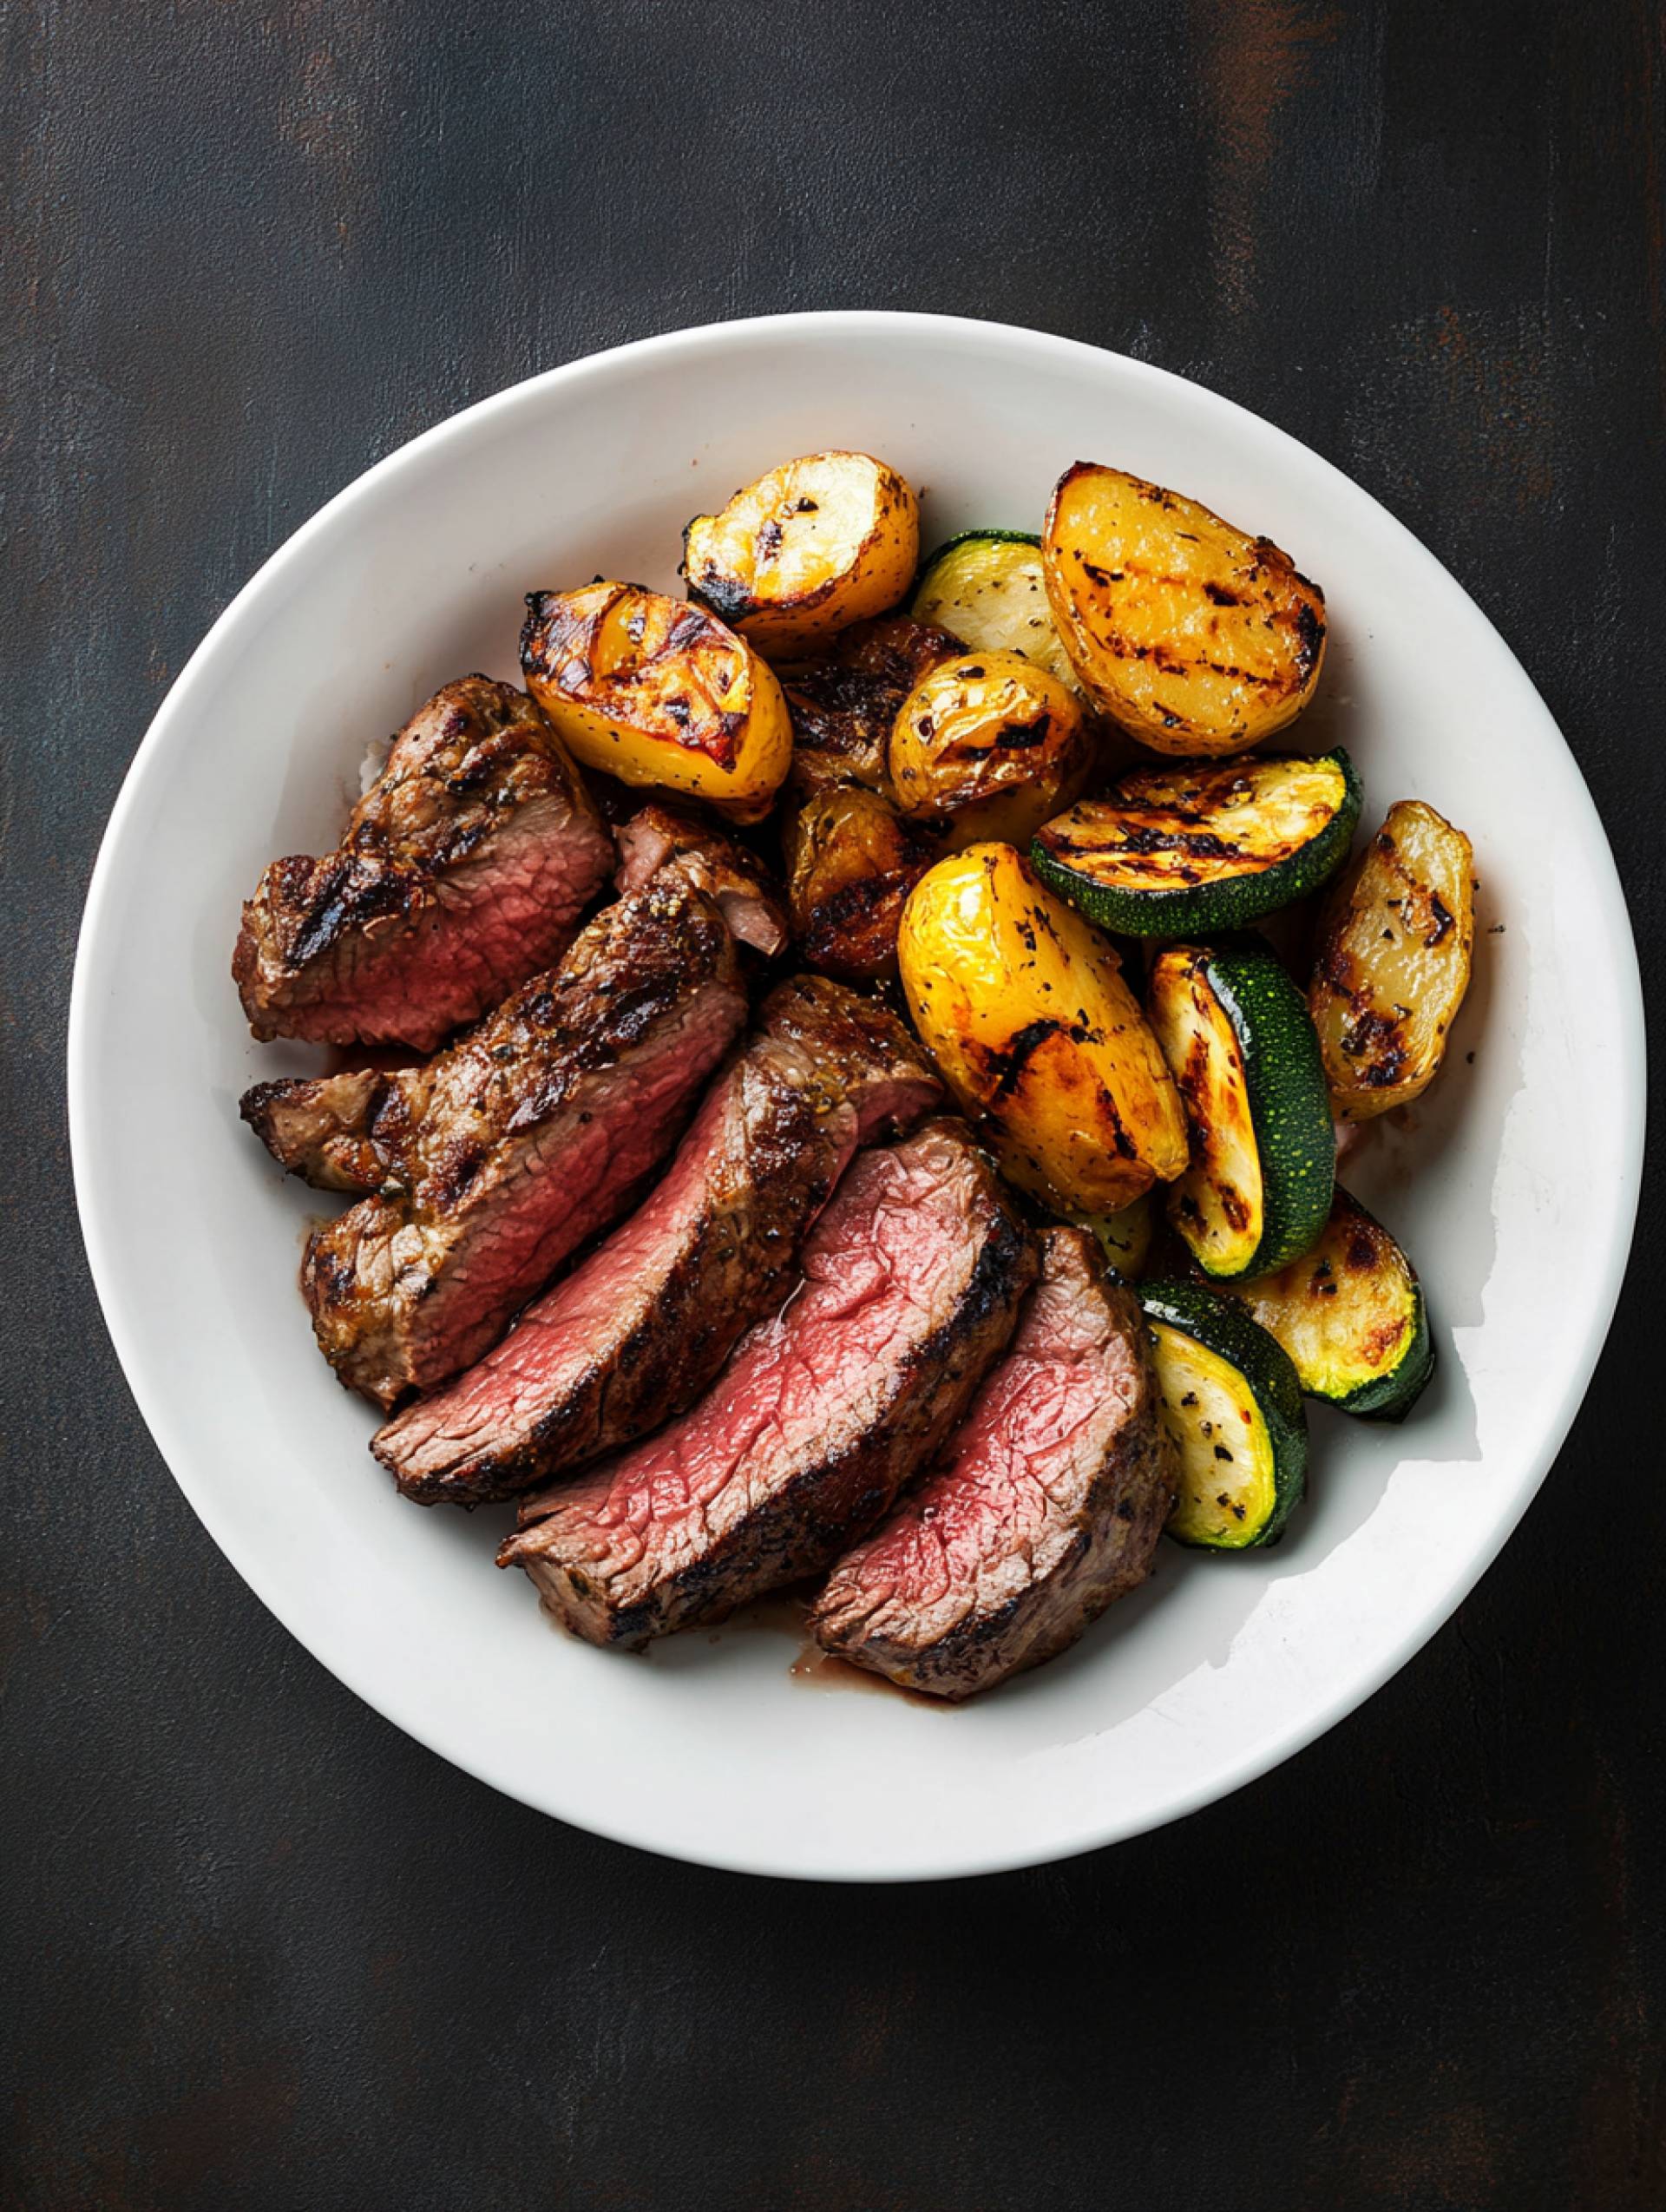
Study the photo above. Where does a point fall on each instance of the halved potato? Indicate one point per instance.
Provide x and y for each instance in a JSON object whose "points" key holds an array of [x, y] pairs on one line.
{"points": [[993, 741], [1022, 1005], [1395, 945], [659, 693], [1194, 636], [819, 542], [851, 862]]}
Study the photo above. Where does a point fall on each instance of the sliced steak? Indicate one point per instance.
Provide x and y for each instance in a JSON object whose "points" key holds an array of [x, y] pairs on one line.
{"points": [[513, 1148], [659, 837], [462, 872], [911, 1282], [635, 1334], [1048, 1504]]}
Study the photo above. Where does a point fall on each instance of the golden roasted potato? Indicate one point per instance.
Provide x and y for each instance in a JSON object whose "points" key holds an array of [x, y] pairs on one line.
{"points": [[851, 862], [1194, 637], [842, 706], [1395, 943], [818, 543], [659, 693], [993, 741], [1022, 1004]]}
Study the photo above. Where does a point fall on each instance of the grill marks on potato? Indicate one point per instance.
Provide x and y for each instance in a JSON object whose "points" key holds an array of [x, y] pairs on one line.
{"points": [[1194, 635], [1393, 962]]}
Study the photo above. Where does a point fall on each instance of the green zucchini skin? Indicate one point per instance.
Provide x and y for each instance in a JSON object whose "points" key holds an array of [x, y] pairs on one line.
{"points": [[968, 537], [1288, 1100], [1229, 903], [1391, 1397], [1290, 1307], [1228, 1331]]}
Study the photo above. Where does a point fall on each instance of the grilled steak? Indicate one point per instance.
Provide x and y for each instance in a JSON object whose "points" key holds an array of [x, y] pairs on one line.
{"points": [[528, 1136], [462, 872], [657, 836], [636, 1333], [911, 1282], [1048, 1504]]}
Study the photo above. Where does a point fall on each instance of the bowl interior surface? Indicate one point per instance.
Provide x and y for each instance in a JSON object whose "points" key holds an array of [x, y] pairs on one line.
{"points": [[711, 1747]]}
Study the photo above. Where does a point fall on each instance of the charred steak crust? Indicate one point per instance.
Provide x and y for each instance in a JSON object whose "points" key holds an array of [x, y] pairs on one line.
{"points": [[658, 836], [461, 872], [347, 1131], [911, 1284], [1047, 1506], [535, 1130], [635, 1334]]}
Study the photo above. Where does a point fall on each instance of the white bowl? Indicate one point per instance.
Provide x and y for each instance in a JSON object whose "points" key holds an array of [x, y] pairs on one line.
{"points": [[1515, 1193]]}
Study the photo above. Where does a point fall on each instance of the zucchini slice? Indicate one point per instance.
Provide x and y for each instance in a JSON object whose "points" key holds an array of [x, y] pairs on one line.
{"points": [[1186, 850], [1125, 1237], [1352, 1317], [1240, 1044], [1233, 1404], [986, 585]]}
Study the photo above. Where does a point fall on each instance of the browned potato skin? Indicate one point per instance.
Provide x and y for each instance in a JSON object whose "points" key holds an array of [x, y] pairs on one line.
{"points": [[1022, 1004], [1196, 637], [731, 559], [851, 862], [991, 743], [842, 706], [1396, 942]]}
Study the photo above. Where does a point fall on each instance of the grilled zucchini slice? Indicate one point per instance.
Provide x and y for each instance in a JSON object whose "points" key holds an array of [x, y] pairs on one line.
{"points": [[822, 541], [1194, 636], [1233, 1404], [986, 586], [989, 744], [1352, 1317], [1396, 947], [1239, 1043], [1201, 846]]}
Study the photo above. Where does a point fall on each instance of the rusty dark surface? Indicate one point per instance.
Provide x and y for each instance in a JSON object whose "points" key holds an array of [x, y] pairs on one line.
{"points": [[262, 1952]]}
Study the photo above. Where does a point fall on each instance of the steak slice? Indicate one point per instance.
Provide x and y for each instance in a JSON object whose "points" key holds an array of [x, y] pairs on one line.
{"points": [[638, 1330], [657, 836], [461, 872], [911, 1284], [533, 1133], [1048, 1504]]}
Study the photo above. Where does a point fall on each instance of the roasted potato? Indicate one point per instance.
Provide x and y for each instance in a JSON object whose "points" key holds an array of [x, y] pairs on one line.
{"points": [[842, 706], [993, 743], [1022, 1004], [658, 692], [851, 862], [820, 542], [1194, 637], [1395, 944]]}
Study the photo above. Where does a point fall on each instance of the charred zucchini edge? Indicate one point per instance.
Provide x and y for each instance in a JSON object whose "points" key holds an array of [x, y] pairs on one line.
{"points": [[1390, 1395], [1230, 901], [1288, 1102]]}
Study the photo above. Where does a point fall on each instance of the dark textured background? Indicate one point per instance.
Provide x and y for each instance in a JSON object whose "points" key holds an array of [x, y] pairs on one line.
{"points": [[262, 1952]]}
